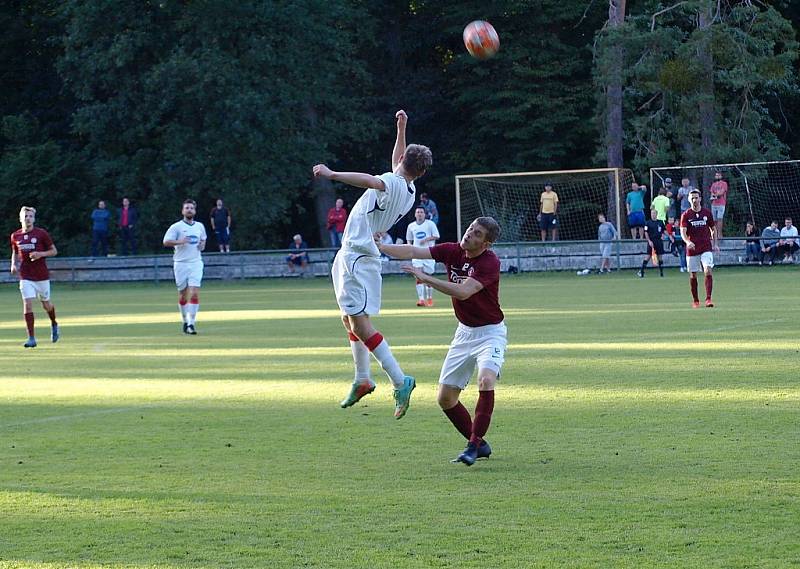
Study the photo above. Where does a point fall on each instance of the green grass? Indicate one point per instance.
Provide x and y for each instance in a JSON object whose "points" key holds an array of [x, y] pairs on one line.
{"points": [[629, 431]]}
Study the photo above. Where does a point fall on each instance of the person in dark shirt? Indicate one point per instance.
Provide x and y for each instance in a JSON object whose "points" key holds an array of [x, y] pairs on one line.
{"points": [[100, 219], [128, 219], [221, 224], [654, 230]]}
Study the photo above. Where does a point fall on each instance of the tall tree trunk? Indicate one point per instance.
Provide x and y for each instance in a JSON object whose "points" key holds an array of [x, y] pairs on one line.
{"points": [[707, 101], [614, 130]]}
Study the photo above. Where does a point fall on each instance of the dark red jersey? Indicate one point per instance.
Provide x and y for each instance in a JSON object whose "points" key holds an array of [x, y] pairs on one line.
{"points": [[698, 226], [483, 307], [23, 244]]}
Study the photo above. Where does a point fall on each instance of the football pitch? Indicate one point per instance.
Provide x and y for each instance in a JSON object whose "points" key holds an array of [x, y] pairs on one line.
{"points": [[629, 430]]}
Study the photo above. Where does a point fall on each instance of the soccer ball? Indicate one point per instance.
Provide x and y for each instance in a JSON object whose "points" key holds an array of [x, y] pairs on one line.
{"points": [[481, 39]]}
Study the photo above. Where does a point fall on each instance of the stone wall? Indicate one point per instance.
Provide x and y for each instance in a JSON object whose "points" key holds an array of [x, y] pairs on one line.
{"points": [[535, 256]]}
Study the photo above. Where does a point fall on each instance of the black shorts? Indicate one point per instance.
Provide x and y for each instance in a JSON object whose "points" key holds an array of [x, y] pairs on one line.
{"points": [[658, 246], [548, 221]]}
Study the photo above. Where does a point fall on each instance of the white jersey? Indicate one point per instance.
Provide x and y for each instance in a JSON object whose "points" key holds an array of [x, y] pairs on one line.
{"points": [[376, 212], [416, 232], [190, 251]]}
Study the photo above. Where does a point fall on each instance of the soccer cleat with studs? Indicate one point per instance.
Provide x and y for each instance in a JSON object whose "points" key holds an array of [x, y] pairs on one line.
{"points": [[430, 302], [54, 333], [185, 328], [709, 303], [402, 397], [420, 302], [469, 456], [696, 304], [31, 343], [358, 390], [190, 330]]}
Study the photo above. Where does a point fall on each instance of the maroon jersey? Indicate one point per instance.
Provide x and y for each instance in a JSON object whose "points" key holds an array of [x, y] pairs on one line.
{"points": [[23, 244], [698, 226], [483, 307]]}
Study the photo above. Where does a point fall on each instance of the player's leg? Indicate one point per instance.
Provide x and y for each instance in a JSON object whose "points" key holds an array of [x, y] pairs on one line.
{"points": [[454, 377], [490, 357], [660, 265], [44, 297], [194, 282], [693, 266], [645, 260], [362, 381], [420, 293], [707, 260], [28, 294], [429, 267], [182, 284]]}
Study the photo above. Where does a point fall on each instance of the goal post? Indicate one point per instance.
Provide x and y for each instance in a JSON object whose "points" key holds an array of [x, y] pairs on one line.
{"points": [[513, 199], [757, 191]]}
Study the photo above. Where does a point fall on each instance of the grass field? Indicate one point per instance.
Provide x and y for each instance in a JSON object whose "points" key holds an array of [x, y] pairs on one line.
{"points": [[629, 431]]}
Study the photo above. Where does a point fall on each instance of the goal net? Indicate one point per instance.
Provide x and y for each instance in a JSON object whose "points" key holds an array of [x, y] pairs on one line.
{"points": [[757, 191], [513, 200]]}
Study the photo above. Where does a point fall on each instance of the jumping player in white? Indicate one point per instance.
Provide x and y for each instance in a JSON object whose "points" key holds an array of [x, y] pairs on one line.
{"points": [[188, 237], [423, 233], [473, 272], [356, 269]]}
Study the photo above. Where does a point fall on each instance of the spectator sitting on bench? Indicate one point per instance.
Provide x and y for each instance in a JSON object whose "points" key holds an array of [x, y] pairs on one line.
{"points": [[787, 245], [752, 247], [298, 257], [769, 245]]}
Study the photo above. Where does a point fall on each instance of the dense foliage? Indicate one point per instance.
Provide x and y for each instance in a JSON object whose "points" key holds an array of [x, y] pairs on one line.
{"points": [[160, 100]]}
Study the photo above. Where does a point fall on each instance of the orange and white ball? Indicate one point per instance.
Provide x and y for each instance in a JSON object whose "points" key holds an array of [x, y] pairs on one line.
{"points": [[481, 39]]}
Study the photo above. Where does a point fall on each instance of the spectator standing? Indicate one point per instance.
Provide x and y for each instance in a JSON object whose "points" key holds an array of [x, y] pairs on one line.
{"points": [[548, 210], [752, 250], [719, 199], [423, 233], [337, 219], [431, 211], [606, 233], [670, 193], [298, 255], [221, 224], [661, 203], [769, 243], [634, 204], [100, 219], [677, 246], [128, 219], [683, 195], [787, 245]]}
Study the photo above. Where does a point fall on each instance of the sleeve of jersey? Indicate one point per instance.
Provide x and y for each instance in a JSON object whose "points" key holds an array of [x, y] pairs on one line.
{"points": [[684, 223], [205, 236], [487, 273], [170, 234], [440, 253], [389, 182], [434, 230]]}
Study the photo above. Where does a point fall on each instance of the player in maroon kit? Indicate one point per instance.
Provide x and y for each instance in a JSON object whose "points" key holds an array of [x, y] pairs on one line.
{"points": [[700, 236], [29, 248], [473, 283]]}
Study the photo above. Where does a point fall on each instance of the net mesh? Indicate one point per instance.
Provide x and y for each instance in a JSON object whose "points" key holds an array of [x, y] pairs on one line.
{"points": [[761, 192], [514, 199]]}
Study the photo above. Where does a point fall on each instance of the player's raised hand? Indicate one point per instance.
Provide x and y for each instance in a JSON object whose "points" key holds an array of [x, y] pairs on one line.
{"points": [[402, 118], [322, 171]]}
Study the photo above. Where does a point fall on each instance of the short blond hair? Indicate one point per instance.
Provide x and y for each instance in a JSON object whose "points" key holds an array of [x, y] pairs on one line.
{"points": [[25, 209]]}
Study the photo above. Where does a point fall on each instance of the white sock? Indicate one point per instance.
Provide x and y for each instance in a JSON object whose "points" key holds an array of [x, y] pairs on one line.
{"points": [[383, 354], [421, 291], [191, 310], [182, 308], [361, 360], [429, 291]]}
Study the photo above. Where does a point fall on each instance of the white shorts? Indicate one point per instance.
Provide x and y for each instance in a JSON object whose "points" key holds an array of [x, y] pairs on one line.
{"points": [[484, 346], [188, 274], [357, 283], [428, 265], [35, 289], [699, 263]]}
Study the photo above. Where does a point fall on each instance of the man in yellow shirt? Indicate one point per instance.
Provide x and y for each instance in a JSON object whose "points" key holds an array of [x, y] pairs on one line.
{"points": [[660, 203], [548, 207]]}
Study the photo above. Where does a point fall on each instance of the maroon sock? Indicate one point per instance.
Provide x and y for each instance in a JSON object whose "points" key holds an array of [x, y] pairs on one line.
{"points": [[29, 322], [459, 416], [709, 286], [483, 416], [52, 314], [693, 285]]}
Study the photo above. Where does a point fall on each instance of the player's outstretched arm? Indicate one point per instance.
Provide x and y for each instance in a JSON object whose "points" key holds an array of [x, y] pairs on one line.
{"points": [[357, 179], [13, 261], [405, 251], [459, 291], [400, 141]]}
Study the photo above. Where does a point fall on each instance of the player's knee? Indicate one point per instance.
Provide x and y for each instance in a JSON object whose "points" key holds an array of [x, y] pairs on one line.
{"points": [[486, 381], [447, 400]]}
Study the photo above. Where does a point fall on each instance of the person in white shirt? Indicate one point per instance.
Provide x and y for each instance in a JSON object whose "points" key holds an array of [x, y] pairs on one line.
{"points": [[423, 233], [786, 245], [188, 237], [356, 269]]}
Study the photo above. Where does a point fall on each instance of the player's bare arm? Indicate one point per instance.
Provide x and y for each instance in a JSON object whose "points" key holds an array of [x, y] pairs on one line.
{"points": [[405, 252], [400, 141], [202, 245], [51, 252], [13, 261], [685, 237], [176, 242], [459, 291], [357, 179]]}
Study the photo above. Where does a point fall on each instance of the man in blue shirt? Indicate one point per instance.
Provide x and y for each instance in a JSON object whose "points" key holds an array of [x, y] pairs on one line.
{"points": [[634, 203], [431, 211], [100, 219]]}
